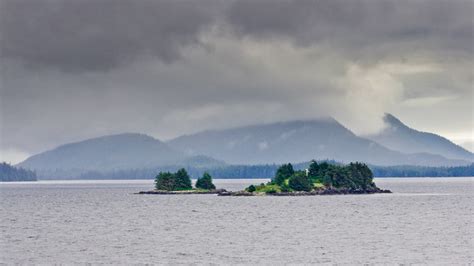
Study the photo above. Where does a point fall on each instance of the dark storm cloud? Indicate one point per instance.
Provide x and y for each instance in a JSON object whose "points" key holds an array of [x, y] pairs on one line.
{"points": [[89, 35], [98, 34], [74, 69], [360, 26]]}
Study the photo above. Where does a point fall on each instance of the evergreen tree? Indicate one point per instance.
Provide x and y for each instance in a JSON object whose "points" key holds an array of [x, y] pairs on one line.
{"points": [[300, 182], [341, 178], [327, 179], [10, 173], [284, 172], [313, 172], [324, 167], [205, 182], [182, 180], [360, 174], [165, 181]]}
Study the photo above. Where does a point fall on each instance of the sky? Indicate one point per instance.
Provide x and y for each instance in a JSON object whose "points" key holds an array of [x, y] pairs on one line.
{"points": [[76, 69]]}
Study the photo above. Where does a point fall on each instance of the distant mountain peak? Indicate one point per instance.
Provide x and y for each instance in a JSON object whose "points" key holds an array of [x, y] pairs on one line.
{"points": [[391, 119], [126, 150], [393, 122], [294, 141], [400, 137]]}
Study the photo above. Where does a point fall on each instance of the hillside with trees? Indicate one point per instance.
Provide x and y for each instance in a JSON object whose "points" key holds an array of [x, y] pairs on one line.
{"points": [[10, 173]]}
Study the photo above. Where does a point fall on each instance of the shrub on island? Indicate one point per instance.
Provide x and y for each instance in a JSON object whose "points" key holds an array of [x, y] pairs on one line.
{"points": [[251, 188], [205, 182], [299, 181], [173, 181], [284, 172]]}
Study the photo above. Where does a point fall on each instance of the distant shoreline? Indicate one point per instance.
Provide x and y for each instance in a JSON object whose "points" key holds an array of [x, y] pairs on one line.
{"points": [[218, 179]]}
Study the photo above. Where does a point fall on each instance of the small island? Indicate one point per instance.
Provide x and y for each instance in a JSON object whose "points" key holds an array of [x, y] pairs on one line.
{"points": [[318, 179], [167, 183]]}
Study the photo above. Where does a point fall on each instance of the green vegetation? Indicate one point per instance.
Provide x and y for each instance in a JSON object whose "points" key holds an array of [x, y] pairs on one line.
{"points": [[10, 173], [205, 182], [355, 176], [180, 181], [284, 172], [251, 188], [183, 181], [299, 181], [173, 181], [264, 188]]}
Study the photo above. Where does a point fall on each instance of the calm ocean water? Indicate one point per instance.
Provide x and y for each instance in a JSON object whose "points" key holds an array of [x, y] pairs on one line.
{"points": [[425, 220]]}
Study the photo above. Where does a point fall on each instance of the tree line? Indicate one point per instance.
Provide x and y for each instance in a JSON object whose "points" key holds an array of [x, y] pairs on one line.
{"points": [[423, 171], [10, 173], [269, 170]]}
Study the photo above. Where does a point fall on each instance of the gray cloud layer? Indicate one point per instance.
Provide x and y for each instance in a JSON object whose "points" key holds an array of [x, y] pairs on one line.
{"points": [[357, 23], [99, 35], [73, 69], [93, 35]]}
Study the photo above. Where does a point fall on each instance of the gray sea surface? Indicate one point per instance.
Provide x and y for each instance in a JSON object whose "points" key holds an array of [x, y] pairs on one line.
{"points": [[425, 221]]}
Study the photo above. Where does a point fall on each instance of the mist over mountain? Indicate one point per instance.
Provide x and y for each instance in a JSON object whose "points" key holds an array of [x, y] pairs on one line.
{"points": [[397, 136], [115, 152], [468, 145], [276, 143], [296, 141], [108, 152]]}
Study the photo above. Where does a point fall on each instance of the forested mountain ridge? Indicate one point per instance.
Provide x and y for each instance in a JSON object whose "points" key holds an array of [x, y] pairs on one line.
{"points": [[10, 173]]}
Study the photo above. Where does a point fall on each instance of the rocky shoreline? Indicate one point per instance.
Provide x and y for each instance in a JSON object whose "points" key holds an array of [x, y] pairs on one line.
{"points": [[183, 192], [328, 191], [223, 192]]}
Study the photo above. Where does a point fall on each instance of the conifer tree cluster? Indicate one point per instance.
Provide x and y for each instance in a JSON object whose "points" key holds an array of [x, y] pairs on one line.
{"points": [[181, 181], [205, 182], [352, 176], [10, 173]]}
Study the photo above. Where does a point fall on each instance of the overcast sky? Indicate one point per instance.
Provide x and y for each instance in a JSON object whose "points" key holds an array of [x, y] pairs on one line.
{"points": [[75, 69]]}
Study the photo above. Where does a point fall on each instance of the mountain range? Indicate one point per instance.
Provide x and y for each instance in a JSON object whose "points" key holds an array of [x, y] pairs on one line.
{"points": [[294, 141]]}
